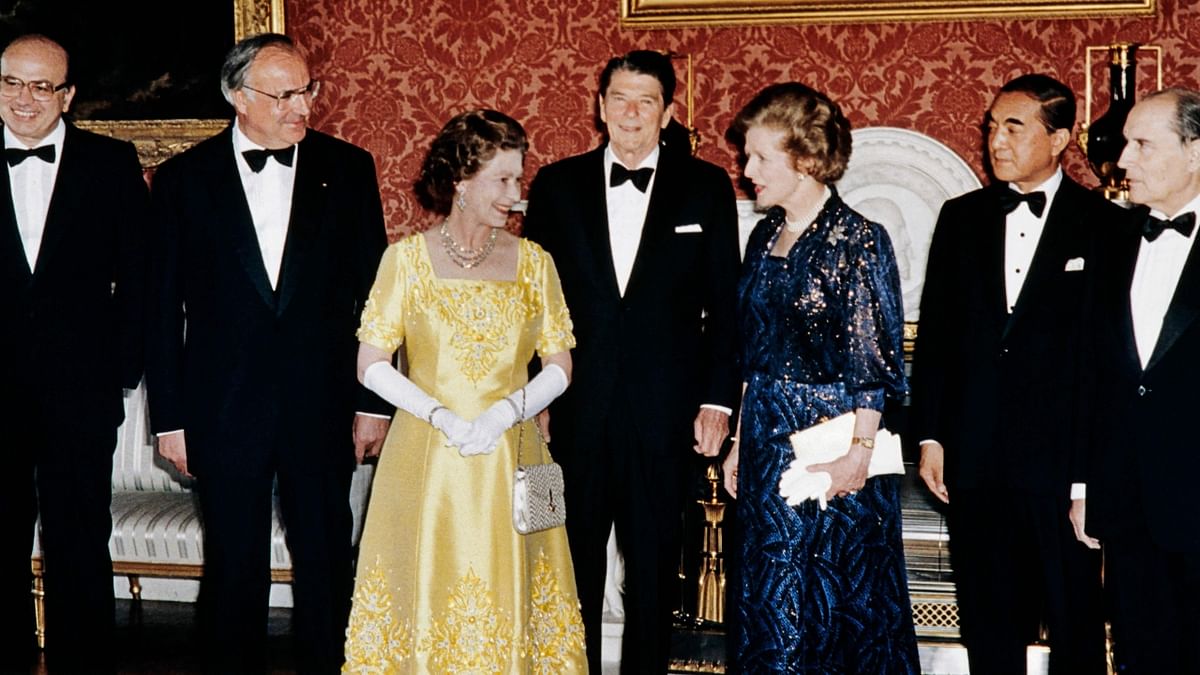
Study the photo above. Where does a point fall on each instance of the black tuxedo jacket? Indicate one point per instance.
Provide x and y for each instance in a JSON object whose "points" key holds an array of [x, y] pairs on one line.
{"points": [[667, 345], [71, 334], [257, 370], [1001, 391], [1144, 452]]}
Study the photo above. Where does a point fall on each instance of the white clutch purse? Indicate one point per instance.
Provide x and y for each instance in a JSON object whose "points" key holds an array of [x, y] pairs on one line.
{"points": [[826, 442]]}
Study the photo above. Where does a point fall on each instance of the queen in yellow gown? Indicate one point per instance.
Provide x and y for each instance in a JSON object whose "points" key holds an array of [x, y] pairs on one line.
{"points": [[445, 584]]}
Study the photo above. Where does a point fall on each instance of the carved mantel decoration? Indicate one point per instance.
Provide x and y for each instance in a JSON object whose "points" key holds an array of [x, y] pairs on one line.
{"points": [[158, 140]]}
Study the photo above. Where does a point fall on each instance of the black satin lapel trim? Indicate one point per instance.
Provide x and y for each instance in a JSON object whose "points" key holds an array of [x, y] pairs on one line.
{"points": [[1183, 310], [15, 249], [1046, 255], [594, 206], [64, 198], [658, 220], [308, 205], [232, 208]]}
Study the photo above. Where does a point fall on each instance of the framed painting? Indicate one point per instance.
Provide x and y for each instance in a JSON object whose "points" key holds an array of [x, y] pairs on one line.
{"points": [[139, 72], [674, 13]]}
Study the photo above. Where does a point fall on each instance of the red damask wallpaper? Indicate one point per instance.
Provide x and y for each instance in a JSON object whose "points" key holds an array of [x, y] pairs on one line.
{"points": [[394, 70]]}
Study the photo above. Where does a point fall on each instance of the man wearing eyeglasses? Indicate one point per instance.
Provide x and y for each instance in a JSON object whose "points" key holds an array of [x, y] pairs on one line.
{"points": [[72, 230], [266, 241]]}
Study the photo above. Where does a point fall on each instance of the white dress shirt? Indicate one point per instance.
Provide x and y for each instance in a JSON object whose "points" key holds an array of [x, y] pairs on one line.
{"points": [[269, 194], [1022, 231], [32, 185], [1159, 265], [627, 208]]}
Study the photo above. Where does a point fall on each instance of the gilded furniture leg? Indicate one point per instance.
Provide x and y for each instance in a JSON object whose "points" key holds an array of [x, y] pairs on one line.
{"points": [[39, 609]]}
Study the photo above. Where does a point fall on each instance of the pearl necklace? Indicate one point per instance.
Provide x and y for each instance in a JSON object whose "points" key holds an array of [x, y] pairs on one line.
{"points": [[467, 258], [801, 223]]}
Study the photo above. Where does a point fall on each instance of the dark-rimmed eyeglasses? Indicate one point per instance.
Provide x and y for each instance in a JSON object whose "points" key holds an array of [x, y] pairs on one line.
{"points": [[40, 90], [287, 98]]}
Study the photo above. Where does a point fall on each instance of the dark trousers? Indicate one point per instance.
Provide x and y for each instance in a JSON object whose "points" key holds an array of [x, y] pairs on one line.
{"points": [[1017, 566], [616, 481], [65, 475], [234, 594], [1155, 597]]}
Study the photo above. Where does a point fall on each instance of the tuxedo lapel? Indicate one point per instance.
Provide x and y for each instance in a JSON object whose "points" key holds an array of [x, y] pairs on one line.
{"points": [[66, 197], [593, 197], [1055, 236], [308, 205], [1183, 310], [990, 241], [658, 221], [12, 246], [232, 209]]}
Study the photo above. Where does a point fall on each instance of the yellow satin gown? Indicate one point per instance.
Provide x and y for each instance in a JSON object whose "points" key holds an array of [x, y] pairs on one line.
{"points": [[445, 584]]}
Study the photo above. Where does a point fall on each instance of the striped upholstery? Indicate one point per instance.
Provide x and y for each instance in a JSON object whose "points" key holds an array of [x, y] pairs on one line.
{"points": [[156, 520]]}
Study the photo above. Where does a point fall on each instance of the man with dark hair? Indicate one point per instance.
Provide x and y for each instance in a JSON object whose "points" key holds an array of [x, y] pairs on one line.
{"points": [[72, 268], [266, 243], [645, 239], [1145, 355], [996, 385]]}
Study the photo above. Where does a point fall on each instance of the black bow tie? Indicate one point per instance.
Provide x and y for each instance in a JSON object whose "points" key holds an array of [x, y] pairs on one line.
{"points": [[1010, 199], [257, 159], [640, 177], [1182, 224], [17, 155]]}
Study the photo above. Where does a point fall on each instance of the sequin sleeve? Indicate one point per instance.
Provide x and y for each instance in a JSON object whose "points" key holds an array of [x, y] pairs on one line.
{"points": [[382, 322], [874, 336], [556, 333]]}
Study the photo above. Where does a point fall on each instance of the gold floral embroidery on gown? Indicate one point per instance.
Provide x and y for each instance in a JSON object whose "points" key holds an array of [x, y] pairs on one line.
{"points": [[445, 584]]}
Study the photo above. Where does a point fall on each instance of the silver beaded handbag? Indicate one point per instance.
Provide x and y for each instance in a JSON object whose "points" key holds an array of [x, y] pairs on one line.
{"points": [[537, 490]]}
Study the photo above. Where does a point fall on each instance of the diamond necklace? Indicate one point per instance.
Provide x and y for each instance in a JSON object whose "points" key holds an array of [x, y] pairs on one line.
{"points": [[467, 258]]}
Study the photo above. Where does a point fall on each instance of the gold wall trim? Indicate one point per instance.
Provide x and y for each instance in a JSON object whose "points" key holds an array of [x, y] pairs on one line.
{"points": [[677, 13], [157, 140]]}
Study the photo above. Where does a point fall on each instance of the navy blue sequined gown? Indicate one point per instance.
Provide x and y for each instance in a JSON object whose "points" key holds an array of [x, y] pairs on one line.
{"points": [[822, 591]]}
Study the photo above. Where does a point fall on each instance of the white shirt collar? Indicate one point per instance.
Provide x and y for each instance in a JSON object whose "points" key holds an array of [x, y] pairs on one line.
{"points": [[55, 138], [1193, 206], [1049, 186], [651, 160]]}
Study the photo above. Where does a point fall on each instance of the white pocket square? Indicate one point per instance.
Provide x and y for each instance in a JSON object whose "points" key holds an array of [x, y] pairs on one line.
{"points": [[1074, 265], [687, 229]]}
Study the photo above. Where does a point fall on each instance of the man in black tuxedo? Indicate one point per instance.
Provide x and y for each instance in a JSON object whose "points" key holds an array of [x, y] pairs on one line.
{"points": [[267, 240], [996, 388], [72, 272], [1144, 457], [645, 240]]}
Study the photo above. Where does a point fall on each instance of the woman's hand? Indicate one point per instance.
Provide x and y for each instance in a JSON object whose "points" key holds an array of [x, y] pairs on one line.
{"points": [[730, 470], [848, 473]]}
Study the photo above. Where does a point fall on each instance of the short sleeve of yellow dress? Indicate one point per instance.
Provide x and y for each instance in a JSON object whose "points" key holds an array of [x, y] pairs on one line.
{"points": [[444, 583]]}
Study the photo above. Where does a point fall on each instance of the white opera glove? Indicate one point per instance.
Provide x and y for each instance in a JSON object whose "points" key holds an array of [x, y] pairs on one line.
{"points": [[797, 485], [518, 406], [391, 385]]}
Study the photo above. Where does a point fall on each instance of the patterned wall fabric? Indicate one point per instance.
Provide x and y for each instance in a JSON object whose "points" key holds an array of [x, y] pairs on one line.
{"points": [[394, 70]]}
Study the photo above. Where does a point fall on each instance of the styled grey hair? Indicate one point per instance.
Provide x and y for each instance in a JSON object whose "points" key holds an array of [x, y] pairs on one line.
{"points": [[1187, 111], [238, 60]]}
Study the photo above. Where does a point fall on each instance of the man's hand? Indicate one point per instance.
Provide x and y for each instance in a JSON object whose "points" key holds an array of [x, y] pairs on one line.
{"points": [[1077, 516], [542, 420], [173, 448], [711, 427], [369, 433], [932, 469]]}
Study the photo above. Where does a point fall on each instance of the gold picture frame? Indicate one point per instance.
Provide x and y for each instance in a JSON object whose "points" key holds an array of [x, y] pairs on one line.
{"points": [[158, 140], [678, 13]]}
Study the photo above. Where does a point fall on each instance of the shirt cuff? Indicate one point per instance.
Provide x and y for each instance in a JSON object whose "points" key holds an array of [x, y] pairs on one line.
{"points": [[168, 433], [714, 406], [1078, 491], [375, 415]]}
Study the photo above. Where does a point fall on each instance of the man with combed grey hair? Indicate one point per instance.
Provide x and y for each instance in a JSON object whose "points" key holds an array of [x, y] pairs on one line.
{"points": [[1144, 358], [266, 243]]}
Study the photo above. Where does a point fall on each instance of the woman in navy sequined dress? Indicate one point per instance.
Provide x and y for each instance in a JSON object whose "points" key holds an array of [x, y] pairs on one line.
{"points": [[823, 591]]}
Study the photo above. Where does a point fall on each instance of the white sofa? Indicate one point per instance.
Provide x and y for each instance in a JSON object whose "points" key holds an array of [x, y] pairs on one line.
{"points": [[156, 520]]}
